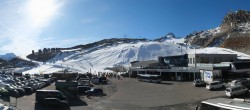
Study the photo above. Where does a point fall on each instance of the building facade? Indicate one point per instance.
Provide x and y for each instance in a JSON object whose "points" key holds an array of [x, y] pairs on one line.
{"points": [[207, 67], [194, 59]]}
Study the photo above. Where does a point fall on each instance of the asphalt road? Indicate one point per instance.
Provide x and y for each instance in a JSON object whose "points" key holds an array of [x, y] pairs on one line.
{"points": [[130, 94]]}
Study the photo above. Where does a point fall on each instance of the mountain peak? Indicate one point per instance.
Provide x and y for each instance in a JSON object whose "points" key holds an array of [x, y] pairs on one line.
{"points": [[8, 56], [233, 18], [170, 35]]}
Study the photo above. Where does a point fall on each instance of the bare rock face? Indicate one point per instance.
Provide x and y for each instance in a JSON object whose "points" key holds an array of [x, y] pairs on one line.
{"points": [[233, 19]]}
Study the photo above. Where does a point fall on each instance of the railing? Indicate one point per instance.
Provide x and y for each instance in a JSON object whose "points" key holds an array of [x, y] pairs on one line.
{"points": [[183, 68], [172, 69], [212, 65]]}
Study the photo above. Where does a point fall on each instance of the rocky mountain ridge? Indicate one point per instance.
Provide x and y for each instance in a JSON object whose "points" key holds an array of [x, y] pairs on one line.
{"points": [[234, 18], [233, 33]]}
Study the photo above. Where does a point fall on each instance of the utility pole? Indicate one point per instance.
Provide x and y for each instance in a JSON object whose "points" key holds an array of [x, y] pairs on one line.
{"points": [[62, 66], [181, 50]]}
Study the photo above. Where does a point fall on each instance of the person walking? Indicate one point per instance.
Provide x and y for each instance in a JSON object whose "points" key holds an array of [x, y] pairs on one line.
{"points": [[118, 76]]}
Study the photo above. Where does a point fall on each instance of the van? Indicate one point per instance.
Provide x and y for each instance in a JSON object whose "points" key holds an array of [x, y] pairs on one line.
{"points": [[95, 80], [42, 94], [215, 85], [235, 90], [198, 82]]}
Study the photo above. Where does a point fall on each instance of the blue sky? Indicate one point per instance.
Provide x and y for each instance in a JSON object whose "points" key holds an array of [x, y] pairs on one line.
{"points": [[32, 24]]}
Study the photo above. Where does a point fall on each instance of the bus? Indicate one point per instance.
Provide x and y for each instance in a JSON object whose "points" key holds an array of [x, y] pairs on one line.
{"points": [[149, 78]]}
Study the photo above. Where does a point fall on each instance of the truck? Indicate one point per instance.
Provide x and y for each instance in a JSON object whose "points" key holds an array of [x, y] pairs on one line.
{"points": [[51, 97], [65, 76], [42, 94], [69, 88]]}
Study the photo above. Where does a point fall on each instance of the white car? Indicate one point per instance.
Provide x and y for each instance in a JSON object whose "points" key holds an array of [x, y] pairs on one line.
{"points": [[215, 85], [236, 90]]}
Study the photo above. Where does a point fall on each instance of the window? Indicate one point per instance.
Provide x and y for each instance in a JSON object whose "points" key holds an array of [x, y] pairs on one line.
{"points": [[202, 60], [190, 60], [206, 60], [220, 59], [193, 61]]}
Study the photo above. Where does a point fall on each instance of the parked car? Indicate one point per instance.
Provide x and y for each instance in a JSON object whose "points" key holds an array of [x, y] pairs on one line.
{"points": [[103, 80], [41, 85], [3, 91], [21, 91], [2, 106], [22, 78], [11, 90], [95, 80], [199, 83], [13, 93], [95, 91], [125, 75], [215, 85], [27, 76], [34, 86], [244, 82], [28, 90], [83, 89], [236, 90], [46, 81]]}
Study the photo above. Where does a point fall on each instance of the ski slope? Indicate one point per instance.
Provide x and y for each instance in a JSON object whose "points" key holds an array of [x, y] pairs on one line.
{"points": [[98, 58]]}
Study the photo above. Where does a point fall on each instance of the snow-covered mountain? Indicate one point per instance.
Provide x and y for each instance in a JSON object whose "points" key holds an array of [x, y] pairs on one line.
{"points": [[166, 37], [8, 56], [11, 60]]}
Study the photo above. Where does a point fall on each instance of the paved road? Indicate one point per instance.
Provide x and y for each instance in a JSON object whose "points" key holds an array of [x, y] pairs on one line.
{"points": [[132, 94]]}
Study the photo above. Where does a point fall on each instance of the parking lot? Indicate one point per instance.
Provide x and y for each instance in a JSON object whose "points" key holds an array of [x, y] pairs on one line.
{"points": [[130, 93], [133, 94]]}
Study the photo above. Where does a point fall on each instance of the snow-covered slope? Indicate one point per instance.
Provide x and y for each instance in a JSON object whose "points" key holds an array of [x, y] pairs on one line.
{"points": [[121, 54], [98, 58]]}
